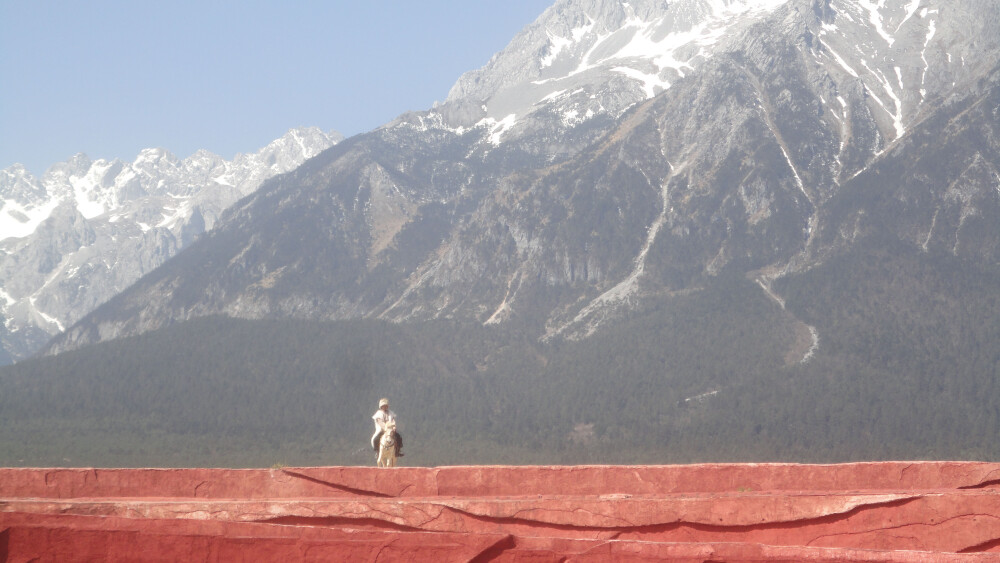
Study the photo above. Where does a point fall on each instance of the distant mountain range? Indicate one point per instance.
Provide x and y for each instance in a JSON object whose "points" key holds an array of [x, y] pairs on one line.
{"points": [[616, 150], [86, 230], [723, 223]]}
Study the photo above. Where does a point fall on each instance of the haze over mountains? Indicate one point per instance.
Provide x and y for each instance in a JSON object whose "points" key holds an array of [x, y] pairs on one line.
{"points": [[772, 223]]}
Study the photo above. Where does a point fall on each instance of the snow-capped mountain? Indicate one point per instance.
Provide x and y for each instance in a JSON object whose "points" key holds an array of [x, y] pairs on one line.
{"points": [[584, 59], [617, 152], [583, 63], [834, 84], [87, 229]]}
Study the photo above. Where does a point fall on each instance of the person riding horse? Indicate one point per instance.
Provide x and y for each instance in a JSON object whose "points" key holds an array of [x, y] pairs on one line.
{"points": [[382, 417]]}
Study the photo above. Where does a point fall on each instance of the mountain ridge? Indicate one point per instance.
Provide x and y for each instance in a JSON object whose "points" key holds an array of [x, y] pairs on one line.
{"points": [[764, 98], [87, 229]]}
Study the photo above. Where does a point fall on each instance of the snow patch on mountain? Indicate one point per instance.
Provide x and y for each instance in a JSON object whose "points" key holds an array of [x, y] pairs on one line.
{"points": [[497, 128], [658, 41], [8, 300], [931, 29], [590, 49], [875, 17], [17, 220]]}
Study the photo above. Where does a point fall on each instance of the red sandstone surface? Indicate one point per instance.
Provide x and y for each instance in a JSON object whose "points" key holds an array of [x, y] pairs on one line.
{"points": [[891, 512]]}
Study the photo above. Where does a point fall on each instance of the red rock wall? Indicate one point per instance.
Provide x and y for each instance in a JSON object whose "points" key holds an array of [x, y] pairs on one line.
{"points": [[925, 511]]}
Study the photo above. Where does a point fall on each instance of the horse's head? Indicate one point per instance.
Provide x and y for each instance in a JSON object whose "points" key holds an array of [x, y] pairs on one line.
{"points": [[389, 436], [387, 446]]}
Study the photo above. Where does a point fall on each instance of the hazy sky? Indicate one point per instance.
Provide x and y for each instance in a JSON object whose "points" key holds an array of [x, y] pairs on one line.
{"points": [[109, 78]]}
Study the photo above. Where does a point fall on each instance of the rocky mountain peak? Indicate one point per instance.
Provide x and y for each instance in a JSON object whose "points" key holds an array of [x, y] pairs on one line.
{"points": [[581, 47], [89, 228], [17, 183], [582, 60], [294, 147]]}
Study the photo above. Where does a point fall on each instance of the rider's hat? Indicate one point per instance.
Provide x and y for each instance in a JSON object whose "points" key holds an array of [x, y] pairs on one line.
{"points": [[383, 402]]}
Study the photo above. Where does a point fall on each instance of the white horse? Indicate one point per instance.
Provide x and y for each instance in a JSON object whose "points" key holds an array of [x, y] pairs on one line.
{"points": [[387, 446]]}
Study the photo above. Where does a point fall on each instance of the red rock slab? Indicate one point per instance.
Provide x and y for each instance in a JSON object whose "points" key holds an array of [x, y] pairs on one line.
{"points": [[70, 538], [67, 538], [494, 481], [545, 550], [214, 483], [645, 552], [933, 522], [713, 478], [956, 521], [585, 513], [634, 552], [922, 511]]}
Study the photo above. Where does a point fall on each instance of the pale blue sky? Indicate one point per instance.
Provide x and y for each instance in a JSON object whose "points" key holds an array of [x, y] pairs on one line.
{"points": [[109, 78]]}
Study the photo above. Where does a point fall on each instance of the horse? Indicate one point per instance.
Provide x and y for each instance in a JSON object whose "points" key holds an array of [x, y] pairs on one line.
{"points": [[387, 446]]}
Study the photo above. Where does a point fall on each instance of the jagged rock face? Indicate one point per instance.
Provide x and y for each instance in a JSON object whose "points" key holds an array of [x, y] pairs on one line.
{"points": [[88, 229], [938, 188], [760, 137]]}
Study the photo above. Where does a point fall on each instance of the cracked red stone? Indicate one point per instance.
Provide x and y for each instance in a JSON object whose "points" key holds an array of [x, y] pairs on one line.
{"points": [[893, 511]]}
